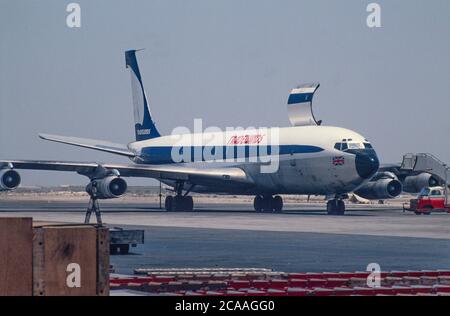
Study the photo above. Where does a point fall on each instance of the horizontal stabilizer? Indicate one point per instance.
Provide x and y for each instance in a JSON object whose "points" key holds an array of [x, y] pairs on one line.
{"points": [[100, 145], [300, 105]]}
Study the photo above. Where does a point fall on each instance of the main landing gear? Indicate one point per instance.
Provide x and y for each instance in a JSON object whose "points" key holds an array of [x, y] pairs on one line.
{"points": [[335, 207], [179, 202], [268, 203]]}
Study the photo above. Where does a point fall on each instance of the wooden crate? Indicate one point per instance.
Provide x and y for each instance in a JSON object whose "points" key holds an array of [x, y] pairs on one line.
{"points": [[49, 259], [58, 252], [16, 276]]}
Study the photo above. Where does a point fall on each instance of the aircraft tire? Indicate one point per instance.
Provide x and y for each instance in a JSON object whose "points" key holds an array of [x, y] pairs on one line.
{"points": [[341, 207], [267, 203], [168, 203], [258, 203], [335, 207], [277, 204], [188, 203], [331, 209], [179, 203]]}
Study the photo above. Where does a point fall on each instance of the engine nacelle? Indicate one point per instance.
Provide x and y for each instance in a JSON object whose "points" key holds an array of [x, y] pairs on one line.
{"points": [[413, 184], [9, 179], [380, 189], [107, 188]]}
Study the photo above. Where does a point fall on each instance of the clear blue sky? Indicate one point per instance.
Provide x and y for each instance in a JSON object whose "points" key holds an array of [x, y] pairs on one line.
{"points": [[231, 63]]}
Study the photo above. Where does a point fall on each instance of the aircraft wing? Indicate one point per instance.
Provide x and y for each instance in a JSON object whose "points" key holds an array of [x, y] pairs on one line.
{"points": [[101, 145], [396, 169], [201, 176], [390, 167], [401, 173]]}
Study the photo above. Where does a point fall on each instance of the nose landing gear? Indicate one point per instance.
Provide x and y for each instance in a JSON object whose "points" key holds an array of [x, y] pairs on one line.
{"points": [[336, 207], [268, 203]]}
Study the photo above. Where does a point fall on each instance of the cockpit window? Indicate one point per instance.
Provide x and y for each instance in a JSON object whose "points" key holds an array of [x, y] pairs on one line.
{"points": [[355, 145], [341, 146], [348, 145]]}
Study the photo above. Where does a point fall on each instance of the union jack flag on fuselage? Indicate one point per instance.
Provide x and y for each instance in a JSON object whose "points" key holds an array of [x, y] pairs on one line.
{"points": [[338, 161]]}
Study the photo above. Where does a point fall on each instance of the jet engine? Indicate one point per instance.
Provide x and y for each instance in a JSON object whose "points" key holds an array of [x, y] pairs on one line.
{"points": [[107, 188], [9, 179], [413, 184], [380, 189]]}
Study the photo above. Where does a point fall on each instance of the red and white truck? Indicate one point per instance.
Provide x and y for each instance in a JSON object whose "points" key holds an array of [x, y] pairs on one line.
{"points": [[433, 199]]}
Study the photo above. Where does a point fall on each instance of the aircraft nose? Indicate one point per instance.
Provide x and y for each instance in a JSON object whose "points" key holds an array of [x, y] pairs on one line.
{"points": [[366, 164]]}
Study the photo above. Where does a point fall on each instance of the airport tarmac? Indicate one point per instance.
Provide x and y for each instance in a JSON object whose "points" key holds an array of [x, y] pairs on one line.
{"points": [[301, 239]]}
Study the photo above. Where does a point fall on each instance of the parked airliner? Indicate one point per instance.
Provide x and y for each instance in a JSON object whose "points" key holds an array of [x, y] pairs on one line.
{"points": [[306, 158]]}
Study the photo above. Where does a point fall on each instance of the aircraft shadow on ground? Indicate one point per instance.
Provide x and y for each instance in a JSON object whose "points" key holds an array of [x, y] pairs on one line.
{"points": [[285, 213], [111, 209]]}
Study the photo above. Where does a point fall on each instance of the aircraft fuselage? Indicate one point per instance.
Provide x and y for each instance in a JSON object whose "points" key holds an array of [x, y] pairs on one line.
{"points": [[300, 160]]}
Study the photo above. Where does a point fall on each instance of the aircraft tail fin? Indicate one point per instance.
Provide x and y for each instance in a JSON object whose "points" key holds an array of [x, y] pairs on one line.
{"points": [[145, 128]]}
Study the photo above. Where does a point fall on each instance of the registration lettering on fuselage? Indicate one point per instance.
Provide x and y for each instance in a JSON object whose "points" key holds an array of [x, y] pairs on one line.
{"points": [[246, 139]]}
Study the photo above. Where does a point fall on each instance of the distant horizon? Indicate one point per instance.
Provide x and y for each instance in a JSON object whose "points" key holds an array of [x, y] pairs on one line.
{"points": [[231, 63]]}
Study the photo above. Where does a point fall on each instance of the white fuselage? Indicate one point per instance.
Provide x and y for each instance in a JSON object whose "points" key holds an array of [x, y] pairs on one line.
{"points": [[303, 159]]}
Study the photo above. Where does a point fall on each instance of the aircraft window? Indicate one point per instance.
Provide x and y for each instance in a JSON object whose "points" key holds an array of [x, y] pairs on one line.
{"points": [[355, 145], [344, 146], [368, 145]]}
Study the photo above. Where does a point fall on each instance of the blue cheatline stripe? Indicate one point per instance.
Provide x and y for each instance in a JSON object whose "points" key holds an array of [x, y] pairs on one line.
{"points": [[300, 98], [163, 154]]}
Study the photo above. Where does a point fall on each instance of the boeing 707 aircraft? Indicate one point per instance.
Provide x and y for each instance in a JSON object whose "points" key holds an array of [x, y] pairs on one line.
{"points": [[306, 158]]}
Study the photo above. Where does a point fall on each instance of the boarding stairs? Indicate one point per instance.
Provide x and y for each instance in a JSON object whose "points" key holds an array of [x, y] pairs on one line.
{"points": [[426, 163]]}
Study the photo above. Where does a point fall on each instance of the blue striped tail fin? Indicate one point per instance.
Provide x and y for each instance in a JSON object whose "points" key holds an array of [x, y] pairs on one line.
{"points": [[145, 128]]}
